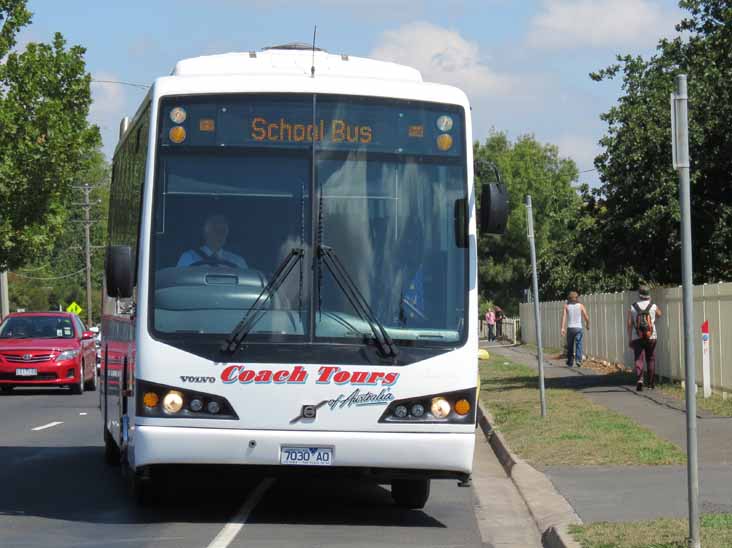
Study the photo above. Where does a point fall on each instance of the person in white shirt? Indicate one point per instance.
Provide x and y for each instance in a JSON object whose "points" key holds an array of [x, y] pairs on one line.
{"points": [[215, 232], [572, 316], [643, 339]]}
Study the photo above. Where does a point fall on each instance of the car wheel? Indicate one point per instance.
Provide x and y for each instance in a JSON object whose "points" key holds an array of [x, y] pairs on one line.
{"points": [[410, 493], [91, 385], [78, 388]]}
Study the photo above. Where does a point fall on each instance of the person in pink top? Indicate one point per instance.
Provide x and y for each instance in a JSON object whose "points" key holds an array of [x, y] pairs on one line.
{"points": [[490, 319]]}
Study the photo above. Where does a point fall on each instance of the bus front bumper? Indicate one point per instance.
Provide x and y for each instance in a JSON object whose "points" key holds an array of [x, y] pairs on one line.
{"points": [[451, 454]]}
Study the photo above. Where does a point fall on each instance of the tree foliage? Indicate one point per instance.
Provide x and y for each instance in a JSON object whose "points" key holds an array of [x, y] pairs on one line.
{"points": [[45, 138], [57, 278], [530, 167], [637, 213]]}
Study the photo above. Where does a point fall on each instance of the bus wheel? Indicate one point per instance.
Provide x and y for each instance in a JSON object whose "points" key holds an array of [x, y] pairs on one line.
{"points": [[144, 489], [410, 493], [111, 451], [7, 389]]}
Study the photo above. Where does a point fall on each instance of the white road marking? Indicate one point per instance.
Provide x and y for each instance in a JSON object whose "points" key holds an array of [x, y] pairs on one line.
{"points": [[231, 529], [49, 425], [82, 414]]}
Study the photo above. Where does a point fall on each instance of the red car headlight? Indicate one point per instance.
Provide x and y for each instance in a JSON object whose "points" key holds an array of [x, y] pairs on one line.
{"points": [[67, 355]]}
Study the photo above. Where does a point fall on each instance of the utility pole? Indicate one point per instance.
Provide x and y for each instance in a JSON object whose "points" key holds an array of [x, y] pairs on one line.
{"points": [[680, 152], [4, 302], [87, 252], [537, 313]]}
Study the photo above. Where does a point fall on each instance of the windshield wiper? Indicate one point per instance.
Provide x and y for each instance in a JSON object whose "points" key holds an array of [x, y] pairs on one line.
{"points": [[357, 300], [253, 315]]}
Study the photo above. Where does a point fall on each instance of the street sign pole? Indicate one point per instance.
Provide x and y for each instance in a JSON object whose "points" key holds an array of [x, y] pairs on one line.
{"points": [[706, 362], [537, 313], [680, 147]]}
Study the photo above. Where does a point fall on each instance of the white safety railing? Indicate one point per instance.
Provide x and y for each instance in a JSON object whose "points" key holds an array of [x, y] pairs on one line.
{"points": [[607, 338]]}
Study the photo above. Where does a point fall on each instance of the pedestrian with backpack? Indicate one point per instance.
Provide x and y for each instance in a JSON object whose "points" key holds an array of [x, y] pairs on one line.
{"points": [[572, 315], [643, 336]]}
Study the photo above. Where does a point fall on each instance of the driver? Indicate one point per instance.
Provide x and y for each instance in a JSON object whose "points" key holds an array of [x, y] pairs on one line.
{"points": [[215, 231]]}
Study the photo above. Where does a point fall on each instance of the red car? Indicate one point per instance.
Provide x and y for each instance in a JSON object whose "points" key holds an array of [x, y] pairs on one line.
{"points": [[47, 349]]}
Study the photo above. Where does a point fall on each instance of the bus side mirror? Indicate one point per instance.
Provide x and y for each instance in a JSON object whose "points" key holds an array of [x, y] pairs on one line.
{"points": [[493, 212], [493, 209], [118, 271]]}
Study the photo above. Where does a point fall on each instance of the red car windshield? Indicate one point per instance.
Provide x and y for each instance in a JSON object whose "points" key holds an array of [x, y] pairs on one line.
{"points": [[37, 327]]}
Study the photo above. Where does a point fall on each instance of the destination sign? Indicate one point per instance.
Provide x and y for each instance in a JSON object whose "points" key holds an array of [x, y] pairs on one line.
{"points": [[366, 125], [335, 131]]}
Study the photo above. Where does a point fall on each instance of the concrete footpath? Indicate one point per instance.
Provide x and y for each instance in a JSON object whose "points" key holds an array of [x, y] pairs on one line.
{"points": [[631, 493]]}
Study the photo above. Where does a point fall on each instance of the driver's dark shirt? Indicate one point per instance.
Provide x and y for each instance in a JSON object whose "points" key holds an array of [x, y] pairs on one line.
{"points": [[192, 256]]}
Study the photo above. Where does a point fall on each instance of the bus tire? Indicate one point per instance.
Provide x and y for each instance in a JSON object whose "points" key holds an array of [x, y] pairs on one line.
{"points": [[144, 490], [7, 389], [410, 493], [111, 451]]}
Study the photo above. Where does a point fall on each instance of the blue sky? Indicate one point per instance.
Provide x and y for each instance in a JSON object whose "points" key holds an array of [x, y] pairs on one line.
{"points": [[523, 63]]}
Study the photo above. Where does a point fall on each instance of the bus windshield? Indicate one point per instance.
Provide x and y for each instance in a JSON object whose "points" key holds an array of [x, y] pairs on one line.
{"points": [[234, 180]]}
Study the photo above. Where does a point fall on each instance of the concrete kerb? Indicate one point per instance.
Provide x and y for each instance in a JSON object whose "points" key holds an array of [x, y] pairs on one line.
{"points": [[551, 512]]}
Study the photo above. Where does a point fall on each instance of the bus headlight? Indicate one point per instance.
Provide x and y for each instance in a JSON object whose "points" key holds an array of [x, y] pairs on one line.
{"points": [[440, 407], [400, 411], [456, 407], [172, 402], [161, 401]]}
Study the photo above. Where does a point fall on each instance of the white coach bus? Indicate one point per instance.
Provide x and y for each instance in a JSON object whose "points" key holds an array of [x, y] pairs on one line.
{"points": [[291, 279]]}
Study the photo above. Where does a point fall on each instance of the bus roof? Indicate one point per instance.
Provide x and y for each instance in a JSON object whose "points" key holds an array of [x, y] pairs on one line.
{"points": [[294, 60]]}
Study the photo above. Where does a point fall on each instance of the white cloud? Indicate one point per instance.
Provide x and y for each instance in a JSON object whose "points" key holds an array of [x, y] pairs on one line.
{"points": [[110, 103], [573, 24], [442, 56]]}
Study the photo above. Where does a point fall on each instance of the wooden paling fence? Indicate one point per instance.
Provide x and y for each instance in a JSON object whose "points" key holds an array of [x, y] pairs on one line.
{"points": [[511, 331], [607, 339]]}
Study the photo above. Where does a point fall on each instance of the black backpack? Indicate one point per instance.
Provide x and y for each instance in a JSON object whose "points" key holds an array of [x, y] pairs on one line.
{"points": [[643, 321]]}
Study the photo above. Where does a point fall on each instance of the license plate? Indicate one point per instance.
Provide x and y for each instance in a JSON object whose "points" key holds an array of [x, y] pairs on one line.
{"points": [[307, 456], [26, 372]]}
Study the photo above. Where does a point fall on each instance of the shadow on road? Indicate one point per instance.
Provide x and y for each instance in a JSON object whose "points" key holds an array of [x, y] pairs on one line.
{"points": [[73, 484], [331, 501], [584, 381]]}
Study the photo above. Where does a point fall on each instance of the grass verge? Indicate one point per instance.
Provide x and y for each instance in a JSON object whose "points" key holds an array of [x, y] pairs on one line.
{"points": [[576, 431], [715, 405], [716, 532]]}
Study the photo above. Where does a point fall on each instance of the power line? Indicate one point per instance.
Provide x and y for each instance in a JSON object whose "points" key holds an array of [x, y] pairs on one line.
{"points": [[131, 84], [50, 278], [588, 170]]}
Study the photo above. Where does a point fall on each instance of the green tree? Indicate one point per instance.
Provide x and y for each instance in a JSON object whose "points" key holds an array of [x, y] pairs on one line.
{"points": [[530, 167], [45, 138], [57, 277], [637, 231]]}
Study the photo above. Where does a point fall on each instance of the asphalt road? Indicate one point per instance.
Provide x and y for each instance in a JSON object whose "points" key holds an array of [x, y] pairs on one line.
{"points": [[55, 490]]}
